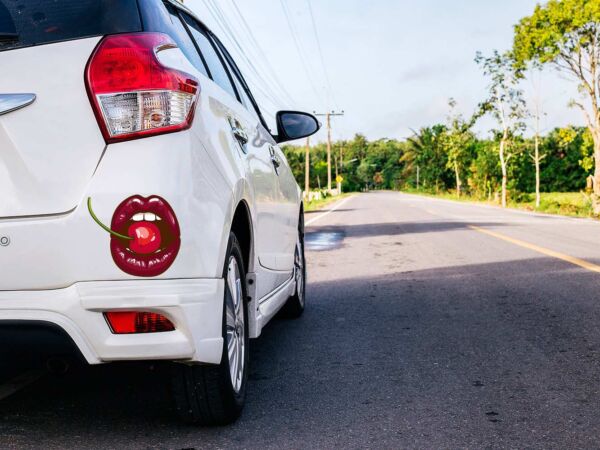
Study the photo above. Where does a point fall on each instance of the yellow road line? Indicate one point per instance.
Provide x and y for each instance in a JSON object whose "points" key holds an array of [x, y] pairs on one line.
{"points": [[536, 248]]}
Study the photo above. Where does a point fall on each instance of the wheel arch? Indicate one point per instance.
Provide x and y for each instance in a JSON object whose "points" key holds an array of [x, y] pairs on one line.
{"points": [[301, 219], [241, 226]]}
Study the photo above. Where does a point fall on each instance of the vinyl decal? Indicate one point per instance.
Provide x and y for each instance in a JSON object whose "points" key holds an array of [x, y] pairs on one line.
{"points": [[144, 235]]}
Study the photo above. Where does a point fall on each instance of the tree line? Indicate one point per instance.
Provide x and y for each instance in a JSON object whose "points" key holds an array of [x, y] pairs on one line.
{"points": [[563, 34], [428, 161]]}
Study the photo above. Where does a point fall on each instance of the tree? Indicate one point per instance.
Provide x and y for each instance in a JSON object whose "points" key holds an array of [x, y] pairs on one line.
{"points": [[505, 103], [456, 142], [566, 34], [484, 170], [424, 153], [537, 157], [569, 159]]}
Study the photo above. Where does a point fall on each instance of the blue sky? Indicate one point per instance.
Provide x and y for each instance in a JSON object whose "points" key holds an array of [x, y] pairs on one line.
{"points": [[392, 65]]}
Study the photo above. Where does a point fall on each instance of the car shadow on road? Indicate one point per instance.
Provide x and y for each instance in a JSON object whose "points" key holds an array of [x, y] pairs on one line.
{"points": [[404, 228], [444, 357]]}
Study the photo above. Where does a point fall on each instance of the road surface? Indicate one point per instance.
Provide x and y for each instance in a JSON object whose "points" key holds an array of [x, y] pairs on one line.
{"points": [[430, 324]]}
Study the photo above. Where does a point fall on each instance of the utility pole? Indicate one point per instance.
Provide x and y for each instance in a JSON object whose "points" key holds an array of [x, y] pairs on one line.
{"points": [[307, 169], [328, 115], [341, 168], [337, 173]]}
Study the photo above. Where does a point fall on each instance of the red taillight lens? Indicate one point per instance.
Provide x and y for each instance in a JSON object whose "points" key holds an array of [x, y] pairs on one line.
{"points": [[132, 93], [131, 322]]}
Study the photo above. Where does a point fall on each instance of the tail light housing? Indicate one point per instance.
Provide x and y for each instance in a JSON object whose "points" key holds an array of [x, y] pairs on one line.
{"points": [[135, 322], [133, 94]]}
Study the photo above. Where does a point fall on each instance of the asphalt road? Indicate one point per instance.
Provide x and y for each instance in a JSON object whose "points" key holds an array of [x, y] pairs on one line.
{"points": [[423, 330]]}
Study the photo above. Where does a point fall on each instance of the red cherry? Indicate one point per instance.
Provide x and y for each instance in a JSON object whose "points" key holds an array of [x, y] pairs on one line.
{"points": [[146, 237]]}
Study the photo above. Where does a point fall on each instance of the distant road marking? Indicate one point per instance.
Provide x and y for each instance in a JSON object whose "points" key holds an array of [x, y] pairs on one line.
{"points": [[16, 384], [536, 248], [320, 216]]}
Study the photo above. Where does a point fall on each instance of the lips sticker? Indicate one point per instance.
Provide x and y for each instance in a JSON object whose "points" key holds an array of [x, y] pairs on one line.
{"points": [[144, 235]]}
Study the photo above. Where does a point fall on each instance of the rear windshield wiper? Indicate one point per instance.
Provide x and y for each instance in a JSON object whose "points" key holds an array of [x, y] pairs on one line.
{"points": [[8, 37]]}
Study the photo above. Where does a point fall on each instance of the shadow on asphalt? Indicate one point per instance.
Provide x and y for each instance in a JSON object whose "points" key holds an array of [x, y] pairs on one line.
{"points": [[470, 356], [403, 228]]}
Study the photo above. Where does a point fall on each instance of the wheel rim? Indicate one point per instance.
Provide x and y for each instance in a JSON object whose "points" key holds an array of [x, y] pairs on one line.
{"points": [[235, 324], [299, 271]]}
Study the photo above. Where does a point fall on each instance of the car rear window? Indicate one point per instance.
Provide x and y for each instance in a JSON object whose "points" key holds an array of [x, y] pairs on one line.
{"points": [[25, 23]]}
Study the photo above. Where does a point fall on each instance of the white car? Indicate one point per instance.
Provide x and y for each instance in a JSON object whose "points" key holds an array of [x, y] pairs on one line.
{"points": [[146, 211]]}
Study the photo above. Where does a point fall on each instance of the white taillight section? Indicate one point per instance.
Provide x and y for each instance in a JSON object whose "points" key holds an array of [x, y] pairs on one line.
{"points": [[146, 110], [133, 94]]}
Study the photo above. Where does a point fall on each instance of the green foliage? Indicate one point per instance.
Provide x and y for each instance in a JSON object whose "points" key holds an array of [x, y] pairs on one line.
{"points": [[569, 160], [444, 157], [557, 31], [505, 101], [362, 164], [391, 164], [484, 170], [566, 33], [426, 155], [457, 142]]}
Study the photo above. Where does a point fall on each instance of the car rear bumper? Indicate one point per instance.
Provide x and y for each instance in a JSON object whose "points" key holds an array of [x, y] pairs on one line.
{"points": [[195, 306]]}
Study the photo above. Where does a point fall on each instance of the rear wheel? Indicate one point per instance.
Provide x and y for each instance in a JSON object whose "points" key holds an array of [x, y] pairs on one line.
{"points": [[214, 395], [296, 303]]}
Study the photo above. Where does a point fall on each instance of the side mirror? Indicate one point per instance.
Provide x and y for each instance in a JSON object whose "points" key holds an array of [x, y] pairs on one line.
{"points": [[292, 125]]}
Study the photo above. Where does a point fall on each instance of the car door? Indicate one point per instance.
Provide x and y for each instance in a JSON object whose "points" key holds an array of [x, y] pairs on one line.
{"points": [[289, 208], [286, 210], [255, 147]]}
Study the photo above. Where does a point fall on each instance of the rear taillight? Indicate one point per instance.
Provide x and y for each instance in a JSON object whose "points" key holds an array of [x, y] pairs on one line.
{"points": [[132, 93], [133, 322]]}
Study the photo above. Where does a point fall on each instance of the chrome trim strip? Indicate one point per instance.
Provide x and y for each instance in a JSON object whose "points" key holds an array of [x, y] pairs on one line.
{"points": [[39, 216], [13, 102]]}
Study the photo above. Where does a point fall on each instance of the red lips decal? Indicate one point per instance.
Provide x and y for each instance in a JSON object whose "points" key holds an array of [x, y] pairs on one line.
{"points": [[145, 236]]}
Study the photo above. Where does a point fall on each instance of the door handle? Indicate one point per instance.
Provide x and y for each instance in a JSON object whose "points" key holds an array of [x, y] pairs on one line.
{"points": [[238, 131], [275, 160], [240, 135]]}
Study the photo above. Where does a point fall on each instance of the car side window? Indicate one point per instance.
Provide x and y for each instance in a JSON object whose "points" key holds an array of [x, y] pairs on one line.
{"points": [[181, 37], [217, 70], [246, 96]]}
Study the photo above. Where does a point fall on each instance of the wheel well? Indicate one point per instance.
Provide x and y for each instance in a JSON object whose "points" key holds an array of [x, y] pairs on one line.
{"points": [[242, 228]]}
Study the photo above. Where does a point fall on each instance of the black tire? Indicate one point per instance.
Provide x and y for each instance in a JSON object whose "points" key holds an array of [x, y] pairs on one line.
{"points": [[205, 394], [294, 307]]}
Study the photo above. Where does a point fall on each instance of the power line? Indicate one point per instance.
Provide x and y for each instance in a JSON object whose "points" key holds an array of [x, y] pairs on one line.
{"points": [[223, 23], [293, 32], [250, 63], [261, 52], [319, 47], [219, 17]]}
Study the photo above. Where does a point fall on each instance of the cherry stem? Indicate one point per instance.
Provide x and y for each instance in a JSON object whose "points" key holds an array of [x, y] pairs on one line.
{"points": [[104, 227]]}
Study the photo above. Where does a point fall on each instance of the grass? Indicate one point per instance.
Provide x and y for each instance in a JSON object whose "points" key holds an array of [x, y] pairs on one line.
{"points": [[315, 205], [563, 203], [576, 204]]}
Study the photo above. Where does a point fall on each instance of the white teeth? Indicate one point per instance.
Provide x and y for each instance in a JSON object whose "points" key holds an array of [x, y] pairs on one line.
{"points": [[148, 217]]}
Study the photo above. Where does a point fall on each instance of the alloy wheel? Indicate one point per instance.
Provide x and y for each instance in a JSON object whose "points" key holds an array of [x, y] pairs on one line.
{"points": [[299, 271], [235, 324]]}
